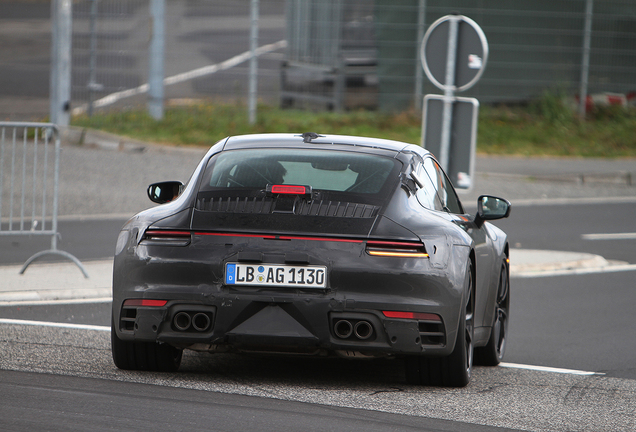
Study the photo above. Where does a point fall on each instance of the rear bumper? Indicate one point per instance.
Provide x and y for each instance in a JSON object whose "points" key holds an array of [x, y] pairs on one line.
{"points": [[293, 324]]}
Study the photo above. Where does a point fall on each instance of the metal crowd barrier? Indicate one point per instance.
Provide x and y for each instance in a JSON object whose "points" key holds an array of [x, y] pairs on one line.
{"points": [[29, 184]]}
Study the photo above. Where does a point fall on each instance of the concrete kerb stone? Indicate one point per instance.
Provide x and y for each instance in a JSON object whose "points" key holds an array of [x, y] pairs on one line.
{"points": [[92, 138], [85, 137], [528, 262]]}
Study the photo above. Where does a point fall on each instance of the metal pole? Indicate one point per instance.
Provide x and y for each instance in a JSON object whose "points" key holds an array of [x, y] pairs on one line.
{"points": [[421, 22], [62, 31], [449, 92], [156, 63], [92, 84], [56, 190], [585, 64], [253, 74], [53, 82]]}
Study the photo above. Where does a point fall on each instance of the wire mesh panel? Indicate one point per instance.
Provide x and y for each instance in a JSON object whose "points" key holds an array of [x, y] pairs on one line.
{"points": [[348, 53], [538, 44], [111, 42], [534, 45], [331, 54]]}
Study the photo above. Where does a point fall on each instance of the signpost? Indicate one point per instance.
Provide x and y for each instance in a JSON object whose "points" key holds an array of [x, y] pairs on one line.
{"points": [[461, 160], [454, 53]]}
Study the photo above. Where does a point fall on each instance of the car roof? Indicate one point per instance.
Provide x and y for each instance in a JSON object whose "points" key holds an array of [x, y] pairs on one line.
{"points": [[298, 141]]}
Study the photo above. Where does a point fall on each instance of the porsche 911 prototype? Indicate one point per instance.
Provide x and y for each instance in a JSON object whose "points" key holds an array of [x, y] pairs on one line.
{"points": [[314, 245]]}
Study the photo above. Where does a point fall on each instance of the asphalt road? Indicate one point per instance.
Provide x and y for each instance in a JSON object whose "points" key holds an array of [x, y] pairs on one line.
{"points": [[49, 402], [581, 322]]}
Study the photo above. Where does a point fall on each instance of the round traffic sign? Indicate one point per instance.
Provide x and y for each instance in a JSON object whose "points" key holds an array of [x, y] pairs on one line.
{"points": [[459, 35]]}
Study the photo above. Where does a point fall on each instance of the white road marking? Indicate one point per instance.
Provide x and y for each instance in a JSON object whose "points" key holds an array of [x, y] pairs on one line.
{"points": [[548, 369], [107, 329], [609, 236], [53, 324], [572, 201], [196, 73], [56, 302], [574, 272]]}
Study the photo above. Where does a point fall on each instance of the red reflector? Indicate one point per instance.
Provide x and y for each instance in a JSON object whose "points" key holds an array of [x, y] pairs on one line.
{"points": [[145, 302], [289, 189], [412, 315]]}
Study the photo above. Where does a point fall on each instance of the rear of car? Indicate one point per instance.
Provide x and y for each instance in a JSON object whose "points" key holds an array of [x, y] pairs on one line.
{"points": [[282, 248]]}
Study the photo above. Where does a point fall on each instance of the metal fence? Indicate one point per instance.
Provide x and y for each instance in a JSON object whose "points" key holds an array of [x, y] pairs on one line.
{"points": [[205, 46], [540, 44], [29, 184], [353, 53], [534, 45]]}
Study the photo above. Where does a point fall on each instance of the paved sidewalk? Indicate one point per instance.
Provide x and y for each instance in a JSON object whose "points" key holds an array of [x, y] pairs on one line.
{"points": [[44, 282]]}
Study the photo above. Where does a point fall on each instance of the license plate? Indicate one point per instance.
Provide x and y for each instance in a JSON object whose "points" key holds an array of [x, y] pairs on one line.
{"points": [[276, 275]]}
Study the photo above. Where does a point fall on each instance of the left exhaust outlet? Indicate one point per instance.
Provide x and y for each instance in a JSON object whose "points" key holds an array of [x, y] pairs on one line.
{"points": [[182, 321]]}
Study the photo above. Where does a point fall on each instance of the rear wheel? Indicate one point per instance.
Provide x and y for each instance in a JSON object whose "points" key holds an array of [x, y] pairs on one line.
{"points": [[492, 354], [456, 369], [144, 356]]}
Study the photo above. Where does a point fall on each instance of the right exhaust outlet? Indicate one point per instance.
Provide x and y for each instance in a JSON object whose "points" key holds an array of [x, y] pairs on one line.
{"points": [[363, 330], [201, 322]]}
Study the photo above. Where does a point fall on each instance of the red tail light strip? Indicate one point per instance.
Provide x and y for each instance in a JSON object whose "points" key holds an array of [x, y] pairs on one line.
{"points": [[145, 302], [374, 247], [394, 244], [421, 316], [320, 239], [269, 237], [273, 237], [167, 233]]}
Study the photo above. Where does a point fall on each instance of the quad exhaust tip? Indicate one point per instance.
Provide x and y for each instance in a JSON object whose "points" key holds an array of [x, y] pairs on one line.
{"points": [[344, 329], [199, 321]]}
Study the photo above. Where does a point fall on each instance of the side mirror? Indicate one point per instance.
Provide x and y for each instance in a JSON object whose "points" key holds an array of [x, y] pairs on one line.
{"points": [[491, 208], [164, 192]]}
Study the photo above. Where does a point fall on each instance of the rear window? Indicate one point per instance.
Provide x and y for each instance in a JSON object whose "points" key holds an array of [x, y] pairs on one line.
{"points": [[326, 170]]}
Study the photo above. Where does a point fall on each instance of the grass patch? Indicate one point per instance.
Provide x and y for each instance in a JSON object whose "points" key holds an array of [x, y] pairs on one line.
{"points": [[546, 127]]}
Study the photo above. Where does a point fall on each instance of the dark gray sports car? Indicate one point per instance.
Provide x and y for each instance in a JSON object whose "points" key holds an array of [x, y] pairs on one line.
{"points": [[311, 244]]}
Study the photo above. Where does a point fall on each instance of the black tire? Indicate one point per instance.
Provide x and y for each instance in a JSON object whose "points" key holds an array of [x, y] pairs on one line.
{"points": [[456, 369], [492, 354], [144, 356]]}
